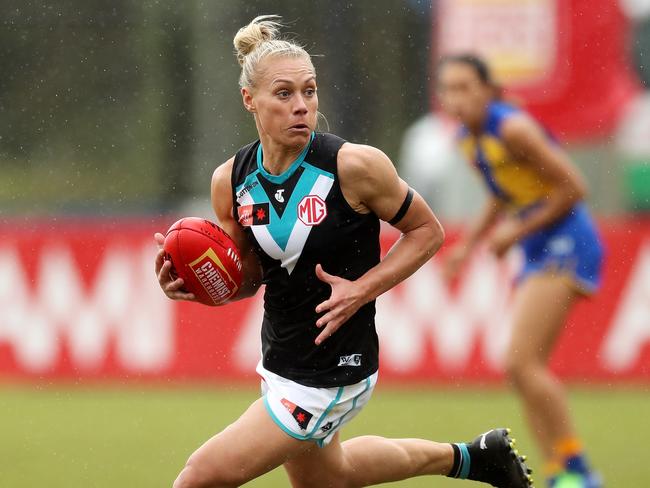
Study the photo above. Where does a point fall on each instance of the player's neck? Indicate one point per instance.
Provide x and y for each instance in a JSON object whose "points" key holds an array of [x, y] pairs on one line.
{"points": [[277, 158], [476, 127]]}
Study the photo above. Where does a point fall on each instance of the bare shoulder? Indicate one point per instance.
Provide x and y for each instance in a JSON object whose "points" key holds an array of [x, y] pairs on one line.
{"points": [[366, 176], [358, 161], [221, 175], [519, 128], [221, 191]]}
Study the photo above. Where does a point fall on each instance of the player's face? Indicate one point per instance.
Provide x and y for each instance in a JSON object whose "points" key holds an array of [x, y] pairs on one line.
{"points": [[462, 93], [284, 100]]}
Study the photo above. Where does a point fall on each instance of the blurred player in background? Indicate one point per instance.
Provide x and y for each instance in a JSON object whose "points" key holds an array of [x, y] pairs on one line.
{"points": [[536, 201], [304, 209]]}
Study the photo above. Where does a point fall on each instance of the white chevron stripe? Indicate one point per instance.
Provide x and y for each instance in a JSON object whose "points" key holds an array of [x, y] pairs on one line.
{"points": [[300, 231], [289, 257]]}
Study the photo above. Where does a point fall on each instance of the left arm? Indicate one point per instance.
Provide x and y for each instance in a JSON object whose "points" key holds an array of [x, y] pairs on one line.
{"points": [[528, 143], [370, 184]]}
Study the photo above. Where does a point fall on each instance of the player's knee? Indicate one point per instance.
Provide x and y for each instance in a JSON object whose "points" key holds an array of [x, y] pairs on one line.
{"points": [[189, 478], [519, 370], [195, 475]]}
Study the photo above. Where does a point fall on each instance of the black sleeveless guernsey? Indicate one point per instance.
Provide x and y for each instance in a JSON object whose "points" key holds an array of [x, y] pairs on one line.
{"points": [[294, 221]]}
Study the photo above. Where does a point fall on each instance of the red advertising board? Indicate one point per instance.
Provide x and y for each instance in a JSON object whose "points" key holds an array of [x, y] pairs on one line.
{"points": [[79, 300], [567, 60]]}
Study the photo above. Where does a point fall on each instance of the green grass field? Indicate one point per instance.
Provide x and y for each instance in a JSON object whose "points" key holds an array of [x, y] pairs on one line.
{"points": [[140, 437]]}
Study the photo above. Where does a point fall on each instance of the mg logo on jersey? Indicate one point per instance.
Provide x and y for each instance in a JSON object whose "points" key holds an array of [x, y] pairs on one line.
{"points": [[312, 210]]}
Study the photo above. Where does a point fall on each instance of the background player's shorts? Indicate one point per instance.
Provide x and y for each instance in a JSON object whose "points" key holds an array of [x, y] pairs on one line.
{"points": [[571, 247], [308, 413]]}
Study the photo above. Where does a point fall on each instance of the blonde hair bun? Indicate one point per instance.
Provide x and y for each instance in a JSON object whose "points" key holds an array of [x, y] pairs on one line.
{"points": [[262, 28], [259, 40]]}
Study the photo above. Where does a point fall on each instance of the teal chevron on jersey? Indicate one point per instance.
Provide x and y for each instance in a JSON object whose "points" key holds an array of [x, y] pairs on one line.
{"points": [[249, 183], [281, 228], [315, 169], [281, 178]]}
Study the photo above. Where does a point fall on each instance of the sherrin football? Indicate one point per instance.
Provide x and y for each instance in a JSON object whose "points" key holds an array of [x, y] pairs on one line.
{"points": [[206, 258]]}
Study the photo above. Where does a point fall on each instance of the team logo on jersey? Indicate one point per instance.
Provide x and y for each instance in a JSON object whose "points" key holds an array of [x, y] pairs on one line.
{"points": [[312, 210], [254, 214], [301, 415], [351, 360], [278, 195], [284, 233]]}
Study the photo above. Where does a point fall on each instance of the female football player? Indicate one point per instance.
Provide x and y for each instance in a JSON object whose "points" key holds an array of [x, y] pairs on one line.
{"points": [[536, 197], [304, 209]]}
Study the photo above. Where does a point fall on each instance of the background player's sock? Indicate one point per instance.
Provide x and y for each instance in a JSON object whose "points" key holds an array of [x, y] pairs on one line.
{"points": [[571, 452], [577, 464]]}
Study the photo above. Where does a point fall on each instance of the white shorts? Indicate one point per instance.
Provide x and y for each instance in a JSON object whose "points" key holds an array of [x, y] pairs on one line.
{"points": [[312, 414]]}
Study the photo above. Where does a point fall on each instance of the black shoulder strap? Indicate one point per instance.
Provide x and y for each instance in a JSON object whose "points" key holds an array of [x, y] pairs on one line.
{"points": [[245, 160], [324, 151]]}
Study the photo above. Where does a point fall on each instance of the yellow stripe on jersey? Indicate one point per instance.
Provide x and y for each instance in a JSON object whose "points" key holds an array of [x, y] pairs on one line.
{"points": [[516, 183]]}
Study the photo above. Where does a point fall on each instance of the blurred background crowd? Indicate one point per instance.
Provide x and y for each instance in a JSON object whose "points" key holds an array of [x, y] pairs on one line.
{"points": [[127, 107]]}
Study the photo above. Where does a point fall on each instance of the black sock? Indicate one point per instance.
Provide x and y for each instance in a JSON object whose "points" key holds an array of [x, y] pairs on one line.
{"points": [[461, 465]]}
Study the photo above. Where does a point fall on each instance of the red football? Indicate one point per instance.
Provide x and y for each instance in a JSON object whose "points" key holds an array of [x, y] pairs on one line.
{"points": [[206, 258]]}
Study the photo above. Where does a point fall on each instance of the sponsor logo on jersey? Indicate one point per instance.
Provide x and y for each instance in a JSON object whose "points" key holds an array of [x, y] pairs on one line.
{"points": [[326, 427], [312, 210], [246, 189], [285, 233], [301, 415], [351, 360], [278, 195], [255, 214]]}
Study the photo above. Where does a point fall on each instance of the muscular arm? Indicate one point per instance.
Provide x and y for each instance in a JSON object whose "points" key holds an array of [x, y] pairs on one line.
{"points": [[526, 141], [378, 188], [370, 184], [221, 196]]}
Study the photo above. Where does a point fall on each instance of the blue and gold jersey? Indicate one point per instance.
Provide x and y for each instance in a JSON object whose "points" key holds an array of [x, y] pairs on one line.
{"points": [[514, 182], [570, 245]]}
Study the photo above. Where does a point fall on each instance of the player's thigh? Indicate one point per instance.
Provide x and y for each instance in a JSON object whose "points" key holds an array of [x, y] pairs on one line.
{"points": [[541, 305], [319, 467], [246, 449]]}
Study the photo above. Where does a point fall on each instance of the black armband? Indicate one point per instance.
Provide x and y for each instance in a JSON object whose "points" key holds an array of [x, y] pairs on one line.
{"points": [[403, 209]]}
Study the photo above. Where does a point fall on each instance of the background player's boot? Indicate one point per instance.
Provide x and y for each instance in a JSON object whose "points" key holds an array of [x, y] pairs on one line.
{"points": [[491, 458], [594, 480], [577, 466], [577, 480]]}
